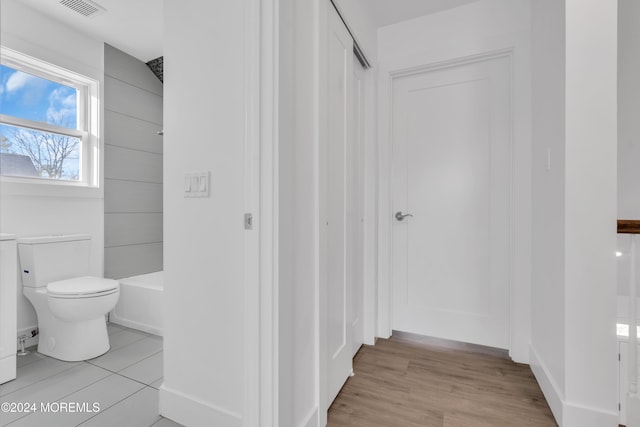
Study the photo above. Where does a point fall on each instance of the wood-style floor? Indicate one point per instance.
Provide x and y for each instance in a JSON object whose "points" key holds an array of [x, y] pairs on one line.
{"points": [[412, 381]]}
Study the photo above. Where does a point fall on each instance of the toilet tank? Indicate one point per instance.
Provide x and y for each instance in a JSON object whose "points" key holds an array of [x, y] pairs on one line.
{"points": [[46, 259]]}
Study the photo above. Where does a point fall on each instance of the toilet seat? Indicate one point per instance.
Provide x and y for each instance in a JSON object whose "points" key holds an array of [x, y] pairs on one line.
{"points": [[82, 287]]}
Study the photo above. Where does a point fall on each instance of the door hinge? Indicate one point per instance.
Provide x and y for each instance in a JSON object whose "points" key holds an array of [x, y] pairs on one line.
{"points": [[248, 221]]}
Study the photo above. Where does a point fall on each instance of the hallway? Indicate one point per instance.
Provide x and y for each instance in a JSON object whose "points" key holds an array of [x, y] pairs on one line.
{"points": [[412, 381]]}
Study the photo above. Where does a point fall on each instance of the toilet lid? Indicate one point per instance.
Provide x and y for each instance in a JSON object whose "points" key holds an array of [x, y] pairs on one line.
{"points": [[82, 286]]}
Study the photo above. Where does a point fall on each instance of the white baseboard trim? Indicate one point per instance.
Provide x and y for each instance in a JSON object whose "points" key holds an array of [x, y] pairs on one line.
{"points": [[581, 416], [7, 368], [193, 412], [567, 414], [312, 419], [553, 394]]}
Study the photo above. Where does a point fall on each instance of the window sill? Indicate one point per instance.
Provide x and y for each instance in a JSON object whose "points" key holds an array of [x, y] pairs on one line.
{"points": [[11, 187]]}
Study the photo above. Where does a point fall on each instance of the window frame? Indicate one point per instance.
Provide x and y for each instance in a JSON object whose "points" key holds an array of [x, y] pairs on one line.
{"points": [[88, 113]]}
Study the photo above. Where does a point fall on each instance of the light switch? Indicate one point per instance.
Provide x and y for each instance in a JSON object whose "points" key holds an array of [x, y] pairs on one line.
{"points": [[202, 180], [196, 184]]}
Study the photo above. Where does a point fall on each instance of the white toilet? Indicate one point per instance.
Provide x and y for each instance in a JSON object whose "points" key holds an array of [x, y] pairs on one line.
{"points": [[71, 306]]}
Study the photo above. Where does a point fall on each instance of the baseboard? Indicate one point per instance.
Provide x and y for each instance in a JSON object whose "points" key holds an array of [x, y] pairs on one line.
{"points": [[312, 419], [553, 394], [190, 411], [567, 414], [7, 368], [581, 416]]}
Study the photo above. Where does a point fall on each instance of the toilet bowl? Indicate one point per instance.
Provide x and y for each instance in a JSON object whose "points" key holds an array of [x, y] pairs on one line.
{"points": [[72, 326], [71, 308]]}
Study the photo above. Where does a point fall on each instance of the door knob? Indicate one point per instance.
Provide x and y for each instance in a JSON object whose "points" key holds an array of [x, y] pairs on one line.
{"points": [[400, 216]]}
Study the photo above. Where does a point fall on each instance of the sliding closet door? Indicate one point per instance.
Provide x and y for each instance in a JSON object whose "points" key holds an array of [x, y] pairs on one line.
{"points": [[334, 281], [355, 211]]}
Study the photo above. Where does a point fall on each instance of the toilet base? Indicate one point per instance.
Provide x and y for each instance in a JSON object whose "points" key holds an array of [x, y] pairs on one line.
{"points": [[73, 341], [70, 340]]}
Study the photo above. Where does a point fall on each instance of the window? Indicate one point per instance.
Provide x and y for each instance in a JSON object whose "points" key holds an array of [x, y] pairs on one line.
{"points": [[48, 123]]}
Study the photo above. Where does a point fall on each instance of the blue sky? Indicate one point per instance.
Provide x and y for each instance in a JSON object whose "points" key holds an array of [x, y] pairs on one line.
{"points": [[27, 96]]}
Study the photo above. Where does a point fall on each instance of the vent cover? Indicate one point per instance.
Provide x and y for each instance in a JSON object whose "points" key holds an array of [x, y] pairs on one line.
{"points": [[84, 7]]}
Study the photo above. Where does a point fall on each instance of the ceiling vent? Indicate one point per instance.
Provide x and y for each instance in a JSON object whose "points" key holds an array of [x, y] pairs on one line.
{"points": [[85, 8]]}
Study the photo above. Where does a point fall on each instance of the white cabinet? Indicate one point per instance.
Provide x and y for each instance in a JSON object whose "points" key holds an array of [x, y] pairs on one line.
{"points": [[8, 307]]}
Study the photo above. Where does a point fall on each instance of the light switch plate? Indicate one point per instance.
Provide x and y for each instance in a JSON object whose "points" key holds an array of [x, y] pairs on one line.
{"points": [[196, 184]]}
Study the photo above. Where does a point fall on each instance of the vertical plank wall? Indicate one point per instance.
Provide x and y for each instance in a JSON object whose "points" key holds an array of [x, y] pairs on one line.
{"points": [[132, 167]]}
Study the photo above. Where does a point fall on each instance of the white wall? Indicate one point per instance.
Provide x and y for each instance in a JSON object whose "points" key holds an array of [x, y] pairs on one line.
{"points": [[574, 300], [28, 210], [477, 28], [298, 239], [204, 123], [591, 175], [548, 299], [298, 319]]}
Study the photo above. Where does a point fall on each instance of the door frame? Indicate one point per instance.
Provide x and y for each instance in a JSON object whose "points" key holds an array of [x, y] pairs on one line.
{"points": [[389, 72], [261, 136]]}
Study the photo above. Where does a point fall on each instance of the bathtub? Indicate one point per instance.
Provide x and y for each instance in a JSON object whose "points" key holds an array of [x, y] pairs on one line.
{"points": [[140, 303]]}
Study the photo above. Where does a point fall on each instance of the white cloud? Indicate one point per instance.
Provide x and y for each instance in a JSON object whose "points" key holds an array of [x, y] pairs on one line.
{"points": [[18, 80], [70, 101], [62, 106]]}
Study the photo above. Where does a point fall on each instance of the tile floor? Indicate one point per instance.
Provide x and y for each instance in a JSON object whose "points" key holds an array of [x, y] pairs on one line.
{"points": [[123, 382]]}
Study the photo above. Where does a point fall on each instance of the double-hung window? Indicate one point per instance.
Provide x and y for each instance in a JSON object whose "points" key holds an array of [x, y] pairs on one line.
{"points": [[48, 123]]}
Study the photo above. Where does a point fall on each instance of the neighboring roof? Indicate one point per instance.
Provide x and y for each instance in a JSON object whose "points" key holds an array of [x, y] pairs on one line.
{"points": [[17, 165]]}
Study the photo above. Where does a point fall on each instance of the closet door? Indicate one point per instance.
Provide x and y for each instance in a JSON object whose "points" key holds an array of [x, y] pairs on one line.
{"points": [[355, 213], [335, 284]]}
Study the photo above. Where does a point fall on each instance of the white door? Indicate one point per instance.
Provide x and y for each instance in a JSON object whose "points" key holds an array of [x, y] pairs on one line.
{"points": [[335, 283], [356, 208], [451, 171]]}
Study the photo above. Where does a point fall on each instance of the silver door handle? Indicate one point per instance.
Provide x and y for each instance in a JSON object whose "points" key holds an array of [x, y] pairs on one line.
{"points": [[400, 216]]}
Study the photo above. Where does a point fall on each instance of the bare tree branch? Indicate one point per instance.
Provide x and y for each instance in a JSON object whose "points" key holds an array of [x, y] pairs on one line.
{"points": [[47, 151]]}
